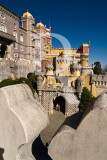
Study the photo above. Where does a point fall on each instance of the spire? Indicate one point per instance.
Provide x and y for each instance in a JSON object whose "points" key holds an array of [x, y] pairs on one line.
{"points": [[89, 43]]}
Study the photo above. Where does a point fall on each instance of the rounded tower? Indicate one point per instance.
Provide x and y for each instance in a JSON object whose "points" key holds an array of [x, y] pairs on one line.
{"points": [[75, 69], [79, 83]]}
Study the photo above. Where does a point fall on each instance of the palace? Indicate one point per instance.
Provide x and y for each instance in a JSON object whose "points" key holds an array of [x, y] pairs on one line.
{"points": [[28, 48]]}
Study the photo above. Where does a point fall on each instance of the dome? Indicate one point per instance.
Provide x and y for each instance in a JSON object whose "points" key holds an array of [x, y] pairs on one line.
{"points": [[79, 79], [75, 66], [39, 78], [27, 14], [40, 25]]}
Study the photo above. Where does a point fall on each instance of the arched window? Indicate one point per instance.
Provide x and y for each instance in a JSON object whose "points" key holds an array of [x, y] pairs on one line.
{"points": [[2, 15], [15, 34], [3, 28], [21, 38]]}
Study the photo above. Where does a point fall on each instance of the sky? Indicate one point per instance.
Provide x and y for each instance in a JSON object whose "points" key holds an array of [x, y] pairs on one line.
{"points": [[80, 21]]}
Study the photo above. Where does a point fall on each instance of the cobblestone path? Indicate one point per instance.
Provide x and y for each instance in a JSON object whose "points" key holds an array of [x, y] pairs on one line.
{"points": [[55, 121]]}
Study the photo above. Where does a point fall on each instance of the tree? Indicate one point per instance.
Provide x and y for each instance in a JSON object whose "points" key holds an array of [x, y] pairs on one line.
{"points": [[86, 99], [97, 68], [33, 79]]}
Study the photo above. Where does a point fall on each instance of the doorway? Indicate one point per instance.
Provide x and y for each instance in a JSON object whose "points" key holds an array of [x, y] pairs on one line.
{"points": [[60, 102], [3, 50]]}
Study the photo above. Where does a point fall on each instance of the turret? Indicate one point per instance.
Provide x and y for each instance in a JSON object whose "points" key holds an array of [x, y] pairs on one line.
{"points": [[79, 86], [75, 69], [50, 74], [39, 82], [84, 49]]}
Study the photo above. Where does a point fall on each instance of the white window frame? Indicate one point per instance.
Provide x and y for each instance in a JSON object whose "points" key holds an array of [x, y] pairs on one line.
{"points": [[3, 29], [21, 38], [15, 34]]}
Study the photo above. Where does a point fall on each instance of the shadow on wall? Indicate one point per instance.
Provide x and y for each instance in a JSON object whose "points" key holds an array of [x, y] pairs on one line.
{"points": [[39, 151], [1, 153], [74, 120]]}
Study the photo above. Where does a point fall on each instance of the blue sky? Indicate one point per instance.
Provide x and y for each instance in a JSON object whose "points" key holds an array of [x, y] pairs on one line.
{"points": [[77, 20]]}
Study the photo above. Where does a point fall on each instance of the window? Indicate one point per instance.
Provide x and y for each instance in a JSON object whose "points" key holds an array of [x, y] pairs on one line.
{"points": [[32, 26], [21, 48], [15, 26], [15, 45], [21, 38], [15, 34], [3, 28], [33, 42], [15, 56], [2, 15], [36, 43]]}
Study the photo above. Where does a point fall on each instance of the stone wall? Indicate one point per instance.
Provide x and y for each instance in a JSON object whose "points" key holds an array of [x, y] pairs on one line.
{"points": [[19, 68], [5, 69], [100, 81], [83, 138], [71, 101], [22, 118]]}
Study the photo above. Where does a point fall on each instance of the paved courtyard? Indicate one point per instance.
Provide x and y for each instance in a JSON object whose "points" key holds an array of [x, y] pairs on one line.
{"points": [[55, 121]]}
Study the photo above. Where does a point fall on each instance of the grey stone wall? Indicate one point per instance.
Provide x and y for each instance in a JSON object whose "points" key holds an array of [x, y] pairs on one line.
{"points": [[22, 118], [20, 68], [71, 101], [83, 138], [5, 69]]}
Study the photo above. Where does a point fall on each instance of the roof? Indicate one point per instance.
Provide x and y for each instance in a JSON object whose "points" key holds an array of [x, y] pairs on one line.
{"points": [[9, 10]]}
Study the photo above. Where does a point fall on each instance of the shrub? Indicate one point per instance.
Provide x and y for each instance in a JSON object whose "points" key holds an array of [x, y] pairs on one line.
{"points": [[8, 82], [85, 100]]}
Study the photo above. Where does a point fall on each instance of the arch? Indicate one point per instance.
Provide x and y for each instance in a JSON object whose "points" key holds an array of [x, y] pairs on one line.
{"points": [[15, 33], [61, 102], [3, 50], [51, 102], [3, 28], [21, 38]]}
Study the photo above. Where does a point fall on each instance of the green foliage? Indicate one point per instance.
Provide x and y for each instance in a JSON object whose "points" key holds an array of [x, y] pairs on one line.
{"points": [[8, 82], [33, 79], [97, 69], [86, 99]]}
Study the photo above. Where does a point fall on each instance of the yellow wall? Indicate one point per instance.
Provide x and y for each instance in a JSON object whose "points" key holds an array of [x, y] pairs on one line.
{"points": [[86, 83]]}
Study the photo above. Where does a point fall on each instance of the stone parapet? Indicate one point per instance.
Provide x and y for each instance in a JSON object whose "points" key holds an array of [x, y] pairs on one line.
{"points": [[83, 137], [22, 118]]}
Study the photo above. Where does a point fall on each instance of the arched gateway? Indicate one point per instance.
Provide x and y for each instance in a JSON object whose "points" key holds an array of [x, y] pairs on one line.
{"points": [[68, 102], [57, 99]]}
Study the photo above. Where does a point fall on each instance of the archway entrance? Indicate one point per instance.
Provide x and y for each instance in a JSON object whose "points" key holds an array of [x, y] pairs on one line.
{"points": [[59, 103], [3, 50]]}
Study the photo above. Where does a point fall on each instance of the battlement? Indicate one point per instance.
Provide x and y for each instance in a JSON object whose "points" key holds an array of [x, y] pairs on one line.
{"points": [[99, 79]]}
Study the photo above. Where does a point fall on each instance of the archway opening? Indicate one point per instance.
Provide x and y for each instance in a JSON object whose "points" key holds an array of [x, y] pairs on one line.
{"points": [[59, 104], [3, 50]]}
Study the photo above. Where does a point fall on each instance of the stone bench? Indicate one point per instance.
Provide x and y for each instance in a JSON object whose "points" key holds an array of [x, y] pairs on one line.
{"points": [[22, 118]]}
